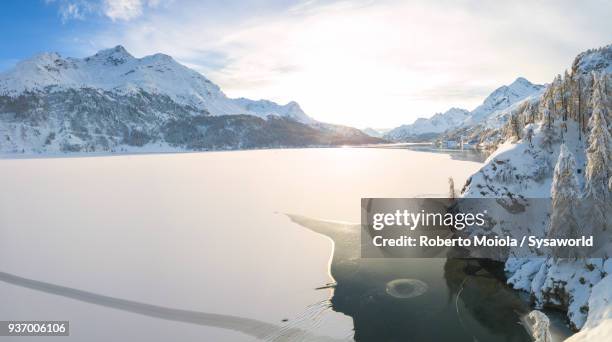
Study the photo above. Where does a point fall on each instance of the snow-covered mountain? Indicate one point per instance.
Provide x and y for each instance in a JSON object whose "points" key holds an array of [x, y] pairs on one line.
{"points": [[438, 123], [529, 146], [263, 108], [375, 132], [113, 101], [500, 100], [118, 71]]}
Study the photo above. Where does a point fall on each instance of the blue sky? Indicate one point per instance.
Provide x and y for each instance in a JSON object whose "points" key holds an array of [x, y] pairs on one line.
{"points": [[32, 26], [359, 62]]}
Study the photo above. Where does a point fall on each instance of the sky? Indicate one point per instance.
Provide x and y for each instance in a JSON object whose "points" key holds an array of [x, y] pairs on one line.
{"points": [[362, 63]]}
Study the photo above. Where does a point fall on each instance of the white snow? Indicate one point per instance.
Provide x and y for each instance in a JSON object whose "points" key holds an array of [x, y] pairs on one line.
{"points": [[598, 326], [499, 117]]}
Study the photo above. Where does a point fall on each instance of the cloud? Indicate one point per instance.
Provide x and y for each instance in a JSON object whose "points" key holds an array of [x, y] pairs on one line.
{"points": [[122, 9], [127, 9], [364, 63], [73, 9], [116, 10]]}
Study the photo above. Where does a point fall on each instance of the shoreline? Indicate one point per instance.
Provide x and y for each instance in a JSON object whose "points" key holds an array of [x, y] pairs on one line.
{"points": [[429, 147]]}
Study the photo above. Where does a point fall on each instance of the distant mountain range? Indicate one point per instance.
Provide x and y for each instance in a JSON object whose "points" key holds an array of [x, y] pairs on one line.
{"points": [[424, 129], [375, 132], [114, 102], [459, 119]]}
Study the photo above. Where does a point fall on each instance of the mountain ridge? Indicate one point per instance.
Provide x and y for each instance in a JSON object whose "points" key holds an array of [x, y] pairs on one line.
{"points": [[112, 101], [438, 123], [115, 69], [455, 118]]}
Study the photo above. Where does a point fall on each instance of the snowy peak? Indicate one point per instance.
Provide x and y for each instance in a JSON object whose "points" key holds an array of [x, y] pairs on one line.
{"points": [[42, 60], [115, 56], [502, 98], [519, 88], [520, 82], [264, 108], [442, 121], [116, 70]]}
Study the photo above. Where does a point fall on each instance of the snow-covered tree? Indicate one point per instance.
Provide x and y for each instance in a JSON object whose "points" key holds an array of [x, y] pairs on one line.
{"points": [[565, 194], [514, 127], [529, 135], [599, 158], [452, 193], [558, 90], [597, 198], [548, 133], [567, 94]]}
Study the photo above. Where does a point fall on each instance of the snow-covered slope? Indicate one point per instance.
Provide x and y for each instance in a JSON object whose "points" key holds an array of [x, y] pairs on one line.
{"points": [[599, 60], [489, 133], [598, 326], [263, 108], [522, 167], [113, 102], [492, 113], [502, 98], [438, 123]]}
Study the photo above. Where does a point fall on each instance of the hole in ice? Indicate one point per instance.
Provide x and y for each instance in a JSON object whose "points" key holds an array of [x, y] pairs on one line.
{"points": [[406, 288]]}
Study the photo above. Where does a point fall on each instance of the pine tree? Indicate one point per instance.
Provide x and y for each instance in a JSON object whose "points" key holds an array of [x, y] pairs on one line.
{"points": [[548, 131], [452, 193], [514, 128], [565, 194], [567, 95], [557, 97], [599, 158], [578, 111], [529, 135], [596, 198]]}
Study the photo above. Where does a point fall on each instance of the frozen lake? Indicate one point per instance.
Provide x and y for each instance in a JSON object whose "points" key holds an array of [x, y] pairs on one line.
{"points": [[201, 232]]}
